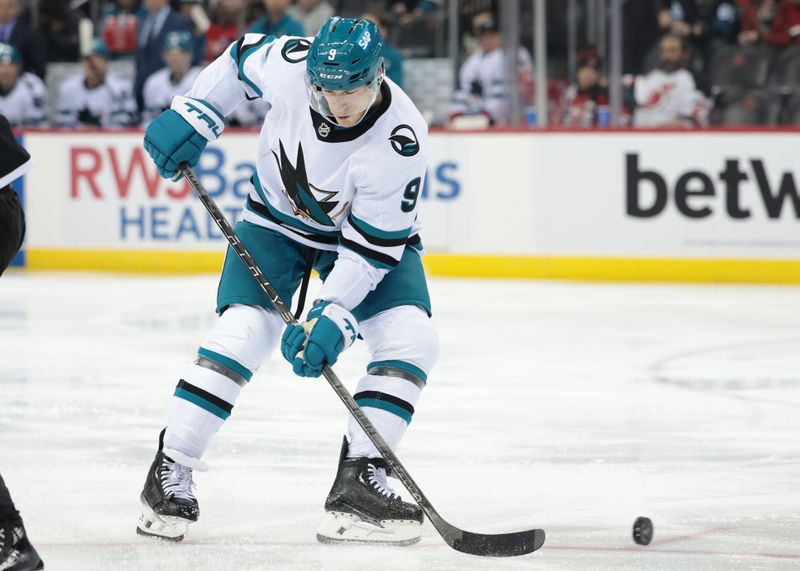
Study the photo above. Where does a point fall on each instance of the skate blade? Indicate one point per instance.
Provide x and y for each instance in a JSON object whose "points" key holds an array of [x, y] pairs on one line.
{"points": [[169, 528], [341, 527]]}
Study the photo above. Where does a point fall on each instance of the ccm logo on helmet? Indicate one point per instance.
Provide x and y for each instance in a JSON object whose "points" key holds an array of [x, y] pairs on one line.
{"points": [[329, 76]]}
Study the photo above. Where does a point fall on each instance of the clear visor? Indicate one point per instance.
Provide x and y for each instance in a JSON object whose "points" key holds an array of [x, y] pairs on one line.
{"points": [[345, 108]]}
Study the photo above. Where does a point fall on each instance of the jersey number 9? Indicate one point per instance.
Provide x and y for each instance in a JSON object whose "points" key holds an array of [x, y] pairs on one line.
{"points": [[410, 195]]}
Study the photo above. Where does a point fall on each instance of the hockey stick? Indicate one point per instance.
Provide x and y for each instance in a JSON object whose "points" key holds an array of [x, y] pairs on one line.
{"points": [[499, 545]]}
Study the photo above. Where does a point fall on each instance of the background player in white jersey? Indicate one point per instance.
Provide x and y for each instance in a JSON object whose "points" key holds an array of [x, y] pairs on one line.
{"points": [[249, 114], [482, 87], [340, 166], [175, 79], [95, 96], [23, 96]]}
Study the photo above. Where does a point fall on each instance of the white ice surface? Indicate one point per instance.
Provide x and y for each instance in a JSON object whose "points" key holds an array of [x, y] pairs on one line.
{"points": [[573, 407]]}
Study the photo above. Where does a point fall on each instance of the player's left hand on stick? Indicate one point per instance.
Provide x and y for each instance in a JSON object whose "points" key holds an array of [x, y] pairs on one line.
{"points": [[328, 330], [180, 134]]}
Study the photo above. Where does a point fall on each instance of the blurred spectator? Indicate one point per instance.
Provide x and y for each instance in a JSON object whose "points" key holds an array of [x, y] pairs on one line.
{"points": [[118, 27], [160, 21], [276, 22], [706, 24], [786, 25], [193, 11], [482, 84], [393, 58], [667, 96], [585, 102], [229, 22], [407, 10], [756, 20], [468, 9], [27, 41], [58, 24], [95, 97], [175, 79], [23, 95], [641, 32], [311, 14]]}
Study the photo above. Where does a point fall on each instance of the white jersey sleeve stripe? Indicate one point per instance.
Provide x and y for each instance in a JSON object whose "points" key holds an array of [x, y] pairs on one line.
{"points": [[223, 82], [377, 236], [376, 242], [240, 51], [380, 257]]}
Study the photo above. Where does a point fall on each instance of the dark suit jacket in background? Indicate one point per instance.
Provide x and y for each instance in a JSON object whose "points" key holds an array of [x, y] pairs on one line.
{"points": [[149, 57], [31, 47]]}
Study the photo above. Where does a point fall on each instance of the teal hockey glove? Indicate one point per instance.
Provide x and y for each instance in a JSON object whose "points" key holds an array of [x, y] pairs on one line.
{"points": [[180, 134], [328, 330]]}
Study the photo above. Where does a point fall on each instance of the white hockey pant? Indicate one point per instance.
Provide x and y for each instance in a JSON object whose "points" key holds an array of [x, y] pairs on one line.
{"points": [[403, 345]]}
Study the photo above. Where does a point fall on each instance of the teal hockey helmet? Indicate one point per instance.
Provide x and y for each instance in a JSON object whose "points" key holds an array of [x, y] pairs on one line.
{"points": [[346, 55], [180, 40], [97, 47], [9, 54]]}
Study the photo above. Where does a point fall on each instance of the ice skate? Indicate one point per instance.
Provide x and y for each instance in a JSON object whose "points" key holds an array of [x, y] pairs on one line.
{"points": [[168, 502], [16, 552], [363, 508]]}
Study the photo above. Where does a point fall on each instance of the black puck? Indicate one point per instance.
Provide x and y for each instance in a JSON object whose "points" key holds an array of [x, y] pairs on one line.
{"points": [[642, 530]]}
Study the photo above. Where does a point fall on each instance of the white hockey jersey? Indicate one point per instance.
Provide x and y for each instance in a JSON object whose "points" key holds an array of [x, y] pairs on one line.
{"points": [[25, 104], [111, 104], [353, 190], [664, 98], [160, 88], [482, 85]]}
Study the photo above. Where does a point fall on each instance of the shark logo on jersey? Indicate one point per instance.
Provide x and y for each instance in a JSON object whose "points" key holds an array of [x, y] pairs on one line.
{"points": [[296, 50], [301, 194], [404, 141]]}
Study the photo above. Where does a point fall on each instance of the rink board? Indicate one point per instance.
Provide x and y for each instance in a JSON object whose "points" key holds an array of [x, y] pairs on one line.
{"points": [[677, 206]]}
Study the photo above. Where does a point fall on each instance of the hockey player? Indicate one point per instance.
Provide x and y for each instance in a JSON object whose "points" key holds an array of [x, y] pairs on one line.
{"points": [[16, 551], [95, 97], [482, 84], [23, 95], [175, 79], [340, 166]]}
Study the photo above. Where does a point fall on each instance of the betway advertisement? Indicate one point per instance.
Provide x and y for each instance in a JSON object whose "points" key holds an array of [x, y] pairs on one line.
{"points": [[677, 195], [710, 195]]}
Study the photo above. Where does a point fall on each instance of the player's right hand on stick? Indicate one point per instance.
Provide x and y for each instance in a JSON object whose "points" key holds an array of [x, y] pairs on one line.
{"points": [[180, 134], [329, 330]]}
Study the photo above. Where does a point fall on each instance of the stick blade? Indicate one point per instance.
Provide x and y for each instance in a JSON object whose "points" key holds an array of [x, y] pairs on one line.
{"points": [[500, 545]]}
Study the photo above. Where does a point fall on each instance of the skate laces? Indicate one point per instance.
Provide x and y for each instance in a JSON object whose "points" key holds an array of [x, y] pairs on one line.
{"points": [[176, 480], [377, 479], [15, 533], [9, 553]]}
